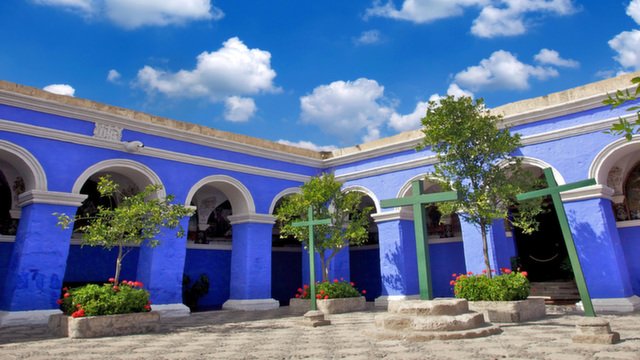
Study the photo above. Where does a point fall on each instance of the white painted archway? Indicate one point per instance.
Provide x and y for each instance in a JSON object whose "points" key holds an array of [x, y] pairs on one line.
{"points": [[26, 164], [140, 174], [238, 195], [280, 195]]}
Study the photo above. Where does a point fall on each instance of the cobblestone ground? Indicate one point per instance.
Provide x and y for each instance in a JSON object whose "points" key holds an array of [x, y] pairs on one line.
{"points": [[278, 335]]}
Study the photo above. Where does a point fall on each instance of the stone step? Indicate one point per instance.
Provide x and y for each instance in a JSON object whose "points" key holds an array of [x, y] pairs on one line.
{"points": [[435, 307], [430, 323], [556, 292], [486, 330]]}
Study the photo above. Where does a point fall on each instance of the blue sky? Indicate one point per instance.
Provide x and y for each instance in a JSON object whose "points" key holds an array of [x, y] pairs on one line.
{"points": [[312, 73]]}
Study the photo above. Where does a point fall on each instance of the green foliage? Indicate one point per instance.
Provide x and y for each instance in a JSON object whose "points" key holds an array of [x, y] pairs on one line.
{"points": [[349, 225], [509, 286], [475, 158], [107, 299], [330, 290], [623, 126], [192, 293], [137, 219]]}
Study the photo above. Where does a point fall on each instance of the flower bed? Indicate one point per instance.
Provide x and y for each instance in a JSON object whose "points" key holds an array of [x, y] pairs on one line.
{"points": [[334, 297], [109, 325]]}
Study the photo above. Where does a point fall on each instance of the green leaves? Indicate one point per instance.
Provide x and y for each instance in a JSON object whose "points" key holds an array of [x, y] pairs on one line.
{"points": [[624, 127]]}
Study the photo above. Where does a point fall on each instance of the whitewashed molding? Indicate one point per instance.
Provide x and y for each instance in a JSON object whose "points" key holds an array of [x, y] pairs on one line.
{"points": [[238, 195], [597, 191], [26, 164], [609, 156], [107, 132], [407, 185], [364, 190], [281, 194], [50, 197], [252, 218], [392, 216], [540, 164], [389, 168], [140, 174]]}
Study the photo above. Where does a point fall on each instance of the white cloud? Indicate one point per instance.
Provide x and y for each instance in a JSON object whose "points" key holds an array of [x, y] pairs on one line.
{"points": [[457, 92], [307, 145], [60, 89], [633, 10], [132, 14], [239, 109], [552, 57], [497, 17], [510, 19], [502, 70], [113, 76], [422, 11], [368, 37], [410, 121], [627, 45], [347, 108], [231, 70]]}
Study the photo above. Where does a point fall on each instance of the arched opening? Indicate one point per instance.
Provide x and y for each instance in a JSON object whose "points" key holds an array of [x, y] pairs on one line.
{"points": [[286, 262], [543, 253], [364, 260], [89, 264], [11, 186], [210, 236]]}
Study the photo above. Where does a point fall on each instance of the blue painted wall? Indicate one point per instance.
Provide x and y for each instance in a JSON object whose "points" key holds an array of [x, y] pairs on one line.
{"points": [[94, 264], [286, 275], [630, 240], [216, 264], [365, 271], [446, 259], [5, 255]]}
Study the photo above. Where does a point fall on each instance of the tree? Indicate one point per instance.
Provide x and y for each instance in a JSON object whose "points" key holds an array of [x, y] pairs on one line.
{"points": [[136, 219], [623, 126], [472, 152], [349, 224]]}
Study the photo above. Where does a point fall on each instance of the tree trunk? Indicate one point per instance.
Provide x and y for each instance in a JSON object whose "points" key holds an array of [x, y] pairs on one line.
{"points": [[485, 248], [324, 266], [118, 266]]}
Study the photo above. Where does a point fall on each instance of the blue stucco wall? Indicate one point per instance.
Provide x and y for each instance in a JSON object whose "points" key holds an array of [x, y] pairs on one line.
{"points": [[446, 259], [94, 264], [216, 264], [5, 255], [630, 240], [365, 271], [286, 275]]}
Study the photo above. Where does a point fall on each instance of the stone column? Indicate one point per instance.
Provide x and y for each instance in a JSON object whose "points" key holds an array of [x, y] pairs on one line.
{"points": [[160, 269], [39, 258], [593, 226], [250, 287], [398, 261]]}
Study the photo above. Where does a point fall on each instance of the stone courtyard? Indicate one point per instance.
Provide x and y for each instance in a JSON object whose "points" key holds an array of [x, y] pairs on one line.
{"points": [[276, 334]]}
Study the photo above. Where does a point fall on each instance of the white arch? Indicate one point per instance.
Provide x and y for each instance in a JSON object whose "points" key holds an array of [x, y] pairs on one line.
{"points": [[26, 164], [280, 195], [140, 174], [609, 156], [526, 160], [364, 190], [407, 185], [238, 194]]}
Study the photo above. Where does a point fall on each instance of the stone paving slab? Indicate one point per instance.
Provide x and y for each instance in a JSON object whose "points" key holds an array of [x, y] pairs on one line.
{"points": [[276, 334]]}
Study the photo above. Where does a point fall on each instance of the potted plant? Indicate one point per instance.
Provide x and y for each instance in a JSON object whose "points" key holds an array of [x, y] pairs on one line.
{"points": [[192, 293], [501, 298], [334, 297], [117, 307]]}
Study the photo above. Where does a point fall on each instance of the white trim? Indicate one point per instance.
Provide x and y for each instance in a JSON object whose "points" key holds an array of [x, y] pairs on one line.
{"points": [[252, 218], [615, 305], [383, 301], [251, 305], [7, 238], [609, 155], [383, 169], [407, 185], [50, 197], [148, 127], [74, 138], [627, 223], [32, 317], [364, 190], [393, 215], [237, 194], [588, 192], [171, 310], [125, 167], [281, 194], [214, 245], [35, 178], [541, 164]]}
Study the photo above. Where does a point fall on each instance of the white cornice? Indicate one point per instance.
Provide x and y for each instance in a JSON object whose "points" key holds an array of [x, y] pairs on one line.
{"points": [[404, 165], [392, 216], [50, 197], [65, 136], [252, 218], [94, 115], [588, 192]]}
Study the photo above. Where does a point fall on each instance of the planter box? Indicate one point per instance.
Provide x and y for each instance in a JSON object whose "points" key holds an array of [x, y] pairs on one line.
{"points": [[510, 311], [108, 325], [329, 306]]}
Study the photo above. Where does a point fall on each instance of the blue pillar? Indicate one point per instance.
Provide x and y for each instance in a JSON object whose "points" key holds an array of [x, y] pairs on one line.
{"points": [[472, 242], [398, 262], [250, 287], [503, 246], [39, 258], [160, 269]]}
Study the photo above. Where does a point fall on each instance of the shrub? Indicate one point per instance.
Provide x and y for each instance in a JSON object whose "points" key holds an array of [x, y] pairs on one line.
{"points": [[107, 299], [331, 290], [509, 286]]}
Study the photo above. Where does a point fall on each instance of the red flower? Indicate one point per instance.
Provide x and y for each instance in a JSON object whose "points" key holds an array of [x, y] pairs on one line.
{"points": [[454, 275], [147, 307], [300, 290], [507, 271], [326, 297], [469, 273], [130, 283], [484, 271], [66, 295], [318, 296], [137, 284], [321, 291], [306, 286], [112, 280], [335, 281], [524, 273], [65, 289], [304, 294], [352, 283], [124, 282], [116, 288], [79, 313], [452, 282], [364, 292], [78, 306], [297, 296], [59, 301]]}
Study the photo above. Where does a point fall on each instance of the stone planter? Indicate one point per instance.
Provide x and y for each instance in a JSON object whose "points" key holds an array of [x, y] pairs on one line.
{"points": [[108, 325], [510, 311], [329, 306]]}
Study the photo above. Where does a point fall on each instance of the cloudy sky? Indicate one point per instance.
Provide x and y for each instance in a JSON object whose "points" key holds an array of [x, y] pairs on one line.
{"points": [[317, 74]]}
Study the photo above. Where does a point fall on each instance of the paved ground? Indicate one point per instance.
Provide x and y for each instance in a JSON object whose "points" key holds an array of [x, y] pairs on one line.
{"points": [[279, 335]]}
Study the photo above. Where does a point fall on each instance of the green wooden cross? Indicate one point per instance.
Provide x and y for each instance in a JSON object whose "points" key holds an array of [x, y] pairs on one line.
{"points": [[418, 200], [312, 258], [554, 190]]}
